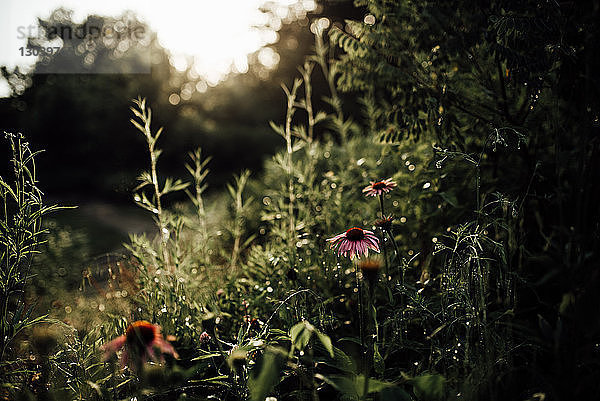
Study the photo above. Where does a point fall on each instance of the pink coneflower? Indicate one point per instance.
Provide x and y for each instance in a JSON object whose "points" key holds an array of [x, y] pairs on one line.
{"points": [[139, 343], [355, 242], [379, 187]]}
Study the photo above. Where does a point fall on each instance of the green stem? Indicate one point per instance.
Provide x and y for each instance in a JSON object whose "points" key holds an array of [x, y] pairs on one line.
{"points": [[360, 318], [385, 259], [391, 236], [381, 205], [368, 351]]}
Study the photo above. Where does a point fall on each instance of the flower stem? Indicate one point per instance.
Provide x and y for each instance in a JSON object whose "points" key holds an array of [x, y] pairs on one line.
{"points": [[369, 350], [385, 258], [391, 236], [360, 319]]}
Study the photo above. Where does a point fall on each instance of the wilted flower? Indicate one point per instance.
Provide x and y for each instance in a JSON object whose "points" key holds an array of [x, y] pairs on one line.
{"points": [[355, 242], [237, 358], [204, 338], [44, 340], [370, 270], [385, 223], [379, 187], [139, 343], [255, 324]]}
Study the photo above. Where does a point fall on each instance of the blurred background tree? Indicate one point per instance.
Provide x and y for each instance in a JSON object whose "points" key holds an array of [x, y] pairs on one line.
{"points": [[82, 120]]}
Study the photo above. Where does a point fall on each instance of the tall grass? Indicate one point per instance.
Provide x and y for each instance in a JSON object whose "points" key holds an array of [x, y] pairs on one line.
{"points": [[21, 235]]}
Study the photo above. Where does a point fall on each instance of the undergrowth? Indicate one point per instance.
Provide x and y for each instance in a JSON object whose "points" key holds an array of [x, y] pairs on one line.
{"points": [[259, 305]]}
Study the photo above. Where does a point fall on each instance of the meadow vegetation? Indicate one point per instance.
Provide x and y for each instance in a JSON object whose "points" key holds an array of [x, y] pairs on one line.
{"points": [[469, 175]]}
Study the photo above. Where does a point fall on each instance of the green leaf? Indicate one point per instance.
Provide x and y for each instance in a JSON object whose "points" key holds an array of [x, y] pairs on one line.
{"points": [[8, 189], [277, 128], [374, 385], [320, 116], [160, 130], [450, 198], [343, 384], [340, 361], [394, 393], [206, 356], [216, 380], [262, 384], [429, 387], [326, 341], [378, 362], [301, 334], [354, 386], [351, 339], [138, 126]]}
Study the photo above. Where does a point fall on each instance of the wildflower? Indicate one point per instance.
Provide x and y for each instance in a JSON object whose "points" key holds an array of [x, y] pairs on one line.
{"points": [[385, 223], [139, 343], [204, 338], [379, 187], [355, 242]]}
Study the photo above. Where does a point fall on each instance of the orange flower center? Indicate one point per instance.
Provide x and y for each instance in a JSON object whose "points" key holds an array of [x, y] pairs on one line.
{"points": [[355, 234], [379, 185], [140, 333]]}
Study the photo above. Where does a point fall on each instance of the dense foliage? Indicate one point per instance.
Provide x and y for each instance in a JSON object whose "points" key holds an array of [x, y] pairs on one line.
{"points": [[483, 115]]}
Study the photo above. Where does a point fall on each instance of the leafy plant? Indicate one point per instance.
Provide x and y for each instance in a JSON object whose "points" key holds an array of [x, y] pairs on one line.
{"points": [[21, 235]]}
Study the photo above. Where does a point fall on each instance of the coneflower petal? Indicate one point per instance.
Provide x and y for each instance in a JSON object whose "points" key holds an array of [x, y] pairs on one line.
{"points": [[354, 242]]}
